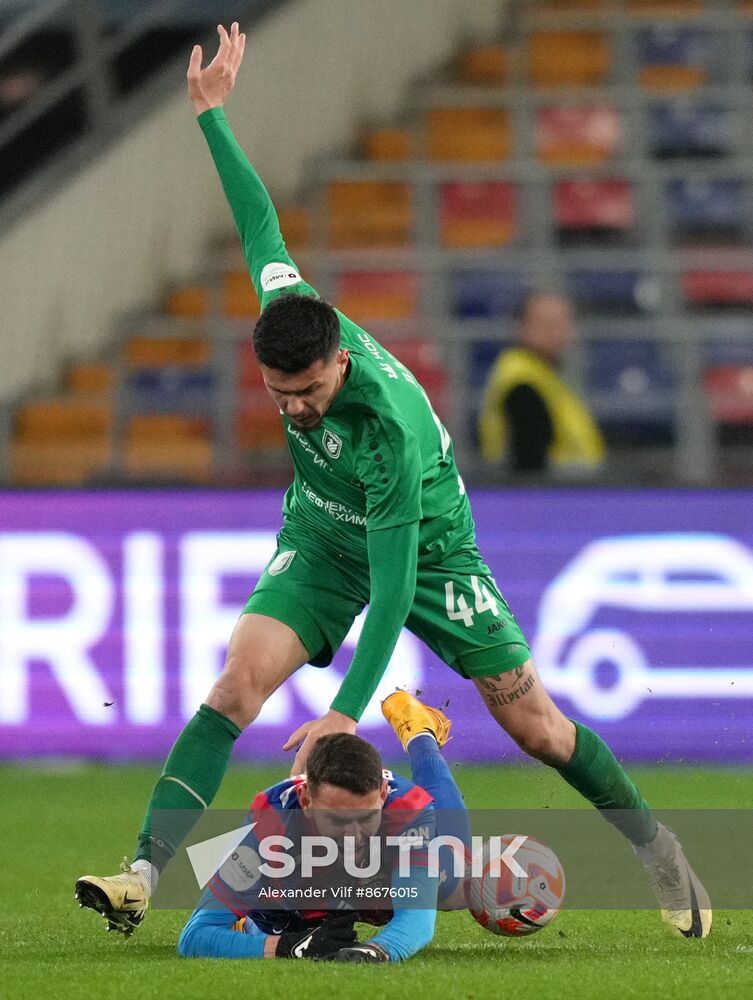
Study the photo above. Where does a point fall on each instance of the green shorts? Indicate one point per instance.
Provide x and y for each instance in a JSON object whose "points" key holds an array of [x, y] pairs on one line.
{"points": [[458, 611]]}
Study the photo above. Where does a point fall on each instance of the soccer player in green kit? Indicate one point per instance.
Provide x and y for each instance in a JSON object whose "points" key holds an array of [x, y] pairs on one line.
{"points": [[377, 514]]}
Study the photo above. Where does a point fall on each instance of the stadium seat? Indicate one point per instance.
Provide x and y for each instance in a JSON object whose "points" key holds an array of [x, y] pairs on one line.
{"points": [[679, 129], [674, 58], [477, 294], [423, 357], [239, 299], [484, 66], [613, 291], [171, 389], [389, 145], [630, 389], [568, 58], [92, 379], [483, 354], [156, 352], [468, 135], [295, 225], [377, 295], [706, 208], [593, 205], [665, 8], [168, 448], [74, 417], [258, 424], [576, 136], [478, 215], [364, 214], [718, 288], [190, 301], [59, 462], [729, 393]]}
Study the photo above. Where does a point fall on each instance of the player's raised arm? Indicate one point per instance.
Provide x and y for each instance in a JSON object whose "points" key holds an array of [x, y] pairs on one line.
{"points": [[255, 217]]}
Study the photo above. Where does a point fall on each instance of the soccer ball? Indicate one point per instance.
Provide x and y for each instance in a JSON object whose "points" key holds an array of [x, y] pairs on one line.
{"points": [[511, 904]]}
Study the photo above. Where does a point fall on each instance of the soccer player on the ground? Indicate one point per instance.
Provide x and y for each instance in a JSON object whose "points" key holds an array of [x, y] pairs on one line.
{"points": [[377, 514], [344, 780]]}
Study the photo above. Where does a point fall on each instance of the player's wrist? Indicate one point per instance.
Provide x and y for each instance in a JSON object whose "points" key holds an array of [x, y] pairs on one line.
{"points": [[270, 945]]}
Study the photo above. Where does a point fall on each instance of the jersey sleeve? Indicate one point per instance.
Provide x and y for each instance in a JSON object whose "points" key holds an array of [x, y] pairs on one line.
{"points": [[388, 465], [272, 270]]}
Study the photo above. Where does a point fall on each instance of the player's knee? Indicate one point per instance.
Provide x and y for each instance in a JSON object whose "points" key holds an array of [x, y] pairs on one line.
{"points": [[240, 692], [547, 740]]}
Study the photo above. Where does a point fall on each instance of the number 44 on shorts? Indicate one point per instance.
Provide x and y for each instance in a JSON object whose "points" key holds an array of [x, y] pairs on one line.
{"points": [[484, 601]]}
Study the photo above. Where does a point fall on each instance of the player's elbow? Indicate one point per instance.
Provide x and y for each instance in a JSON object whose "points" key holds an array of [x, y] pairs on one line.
{"points": [[192, 941]]}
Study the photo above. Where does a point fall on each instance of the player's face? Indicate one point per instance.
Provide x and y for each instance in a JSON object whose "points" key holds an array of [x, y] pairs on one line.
{"points": [[338, 813], [306, 396]]}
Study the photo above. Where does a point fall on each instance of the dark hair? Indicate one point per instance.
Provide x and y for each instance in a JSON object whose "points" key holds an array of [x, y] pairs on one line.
{"points": [[345, 761], [295, 331]]}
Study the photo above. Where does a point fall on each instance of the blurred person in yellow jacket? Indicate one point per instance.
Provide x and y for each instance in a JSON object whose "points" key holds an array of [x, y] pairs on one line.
{"points": [[530, 419]]}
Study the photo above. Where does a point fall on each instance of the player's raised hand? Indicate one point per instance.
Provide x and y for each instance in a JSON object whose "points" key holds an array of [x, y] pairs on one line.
{"points": [[208, 88], [307, 735]]}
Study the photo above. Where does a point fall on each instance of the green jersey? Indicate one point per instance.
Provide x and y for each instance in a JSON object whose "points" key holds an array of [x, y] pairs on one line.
{"points": [[379, 461]]}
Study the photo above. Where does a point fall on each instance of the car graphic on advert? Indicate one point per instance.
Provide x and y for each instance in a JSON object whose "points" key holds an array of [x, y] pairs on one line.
{"points": [[694, 576]]}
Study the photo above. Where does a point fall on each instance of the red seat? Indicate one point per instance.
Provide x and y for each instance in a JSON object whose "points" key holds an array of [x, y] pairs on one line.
{"points": [[718, 287], [365, 296], [729, 392], [424, 359], [593, 204], [478, 215], [577, 136]]}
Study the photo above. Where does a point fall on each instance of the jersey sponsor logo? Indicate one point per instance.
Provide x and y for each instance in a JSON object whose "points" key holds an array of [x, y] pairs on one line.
{"points": [[336, 510], [332, 443], [278, 276], [281, 562], [308, 448]]}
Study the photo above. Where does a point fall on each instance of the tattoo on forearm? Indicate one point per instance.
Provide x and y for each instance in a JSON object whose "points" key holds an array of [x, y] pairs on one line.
{"points": [[504, 689]]}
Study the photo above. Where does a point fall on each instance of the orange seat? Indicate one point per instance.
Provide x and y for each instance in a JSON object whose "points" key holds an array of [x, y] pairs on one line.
{"points": [[67, 417], [665, 8], [365, 214], [729, 393], [576, 136], [90, 378], [389, 145], [186, 459], [239, 299], [190, 301], [58, 462], [366, 296], [295, 224], [745, 7], [168, 446], [470, 135], [672, 77], [568, 58], [258, 423], [158, 352], [488, 65], [369, 213], [478, 215]]}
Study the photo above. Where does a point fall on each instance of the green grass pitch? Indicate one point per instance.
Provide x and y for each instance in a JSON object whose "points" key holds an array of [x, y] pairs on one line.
{"points": [[59, 823]]}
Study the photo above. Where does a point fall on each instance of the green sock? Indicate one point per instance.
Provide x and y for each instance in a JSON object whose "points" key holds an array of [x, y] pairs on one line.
{"points": [[191, 777], [594, 772]]}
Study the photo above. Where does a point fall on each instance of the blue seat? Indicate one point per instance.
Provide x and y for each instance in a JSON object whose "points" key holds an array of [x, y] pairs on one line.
{"points": [[631, 390], [483, 354], [486, 294], [172, 389], [613, 291], [670, 45], [706, 206], [680, 129]]}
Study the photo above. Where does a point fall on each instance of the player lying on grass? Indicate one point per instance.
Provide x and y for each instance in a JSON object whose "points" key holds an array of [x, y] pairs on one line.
{"points": [[344, 778], [377, 514]]}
